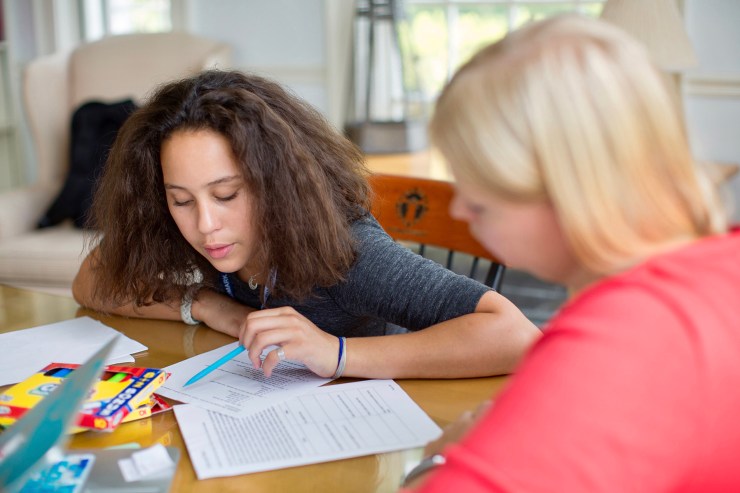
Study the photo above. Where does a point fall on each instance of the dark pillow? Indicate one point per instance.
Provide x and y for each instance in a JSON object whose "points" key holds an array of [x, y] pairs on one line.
{"points": [[94, 128]]}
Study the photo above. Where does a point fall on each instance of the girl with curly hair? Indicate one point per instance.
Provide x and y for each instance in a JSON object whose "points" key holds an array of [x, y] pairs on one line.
{"points": [[229, 201]]}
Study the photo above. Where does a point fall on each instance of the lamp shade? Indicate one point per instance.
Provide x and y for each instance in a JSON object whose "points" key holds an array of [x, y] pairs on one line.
{"points": [[658, 25]]}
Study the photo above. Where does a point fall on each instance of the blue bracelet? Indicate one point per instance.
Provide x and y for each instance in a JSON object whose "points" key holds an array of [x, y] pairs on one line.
{"points": [[342, 358]]}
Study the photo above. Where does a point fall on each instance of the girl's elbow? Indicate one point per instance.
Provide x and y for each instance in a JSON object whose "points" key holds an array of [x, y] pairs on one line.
{"points": [[77, 293], [82, 291]]}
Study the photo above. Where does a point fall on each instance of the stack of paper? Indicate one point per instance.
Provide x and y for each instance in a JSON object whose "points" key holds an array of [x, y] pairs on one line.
{"points": [[238, 422], [329, 423], [72, 341]]}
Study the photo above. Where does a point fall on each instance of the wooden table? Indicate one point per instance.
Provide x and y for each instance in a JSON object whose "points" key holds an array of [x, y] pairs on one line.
{"points": [[170, 342]]}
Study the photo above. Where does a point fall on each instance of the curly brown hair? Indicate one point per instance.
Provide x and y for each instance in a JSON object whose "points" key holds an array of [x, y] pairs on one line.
{"points": [[309, 184]]}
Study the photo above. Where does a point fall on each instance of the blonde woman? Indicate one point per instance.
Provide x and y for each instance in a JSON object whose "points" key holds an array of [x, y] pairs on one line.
{"points": [[571, 161]]}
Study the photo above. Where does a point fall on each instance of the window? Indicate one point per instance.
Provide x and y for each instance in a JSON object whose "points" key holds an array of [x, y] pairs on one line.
{"points": [[441, 35], [11, 173], [109, 17]]}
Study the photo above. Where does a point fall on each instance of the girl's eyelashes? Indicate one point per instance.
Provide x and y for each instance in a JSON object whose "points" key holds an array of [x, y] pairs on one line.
{"points": [[178, 203], [230, 197]]}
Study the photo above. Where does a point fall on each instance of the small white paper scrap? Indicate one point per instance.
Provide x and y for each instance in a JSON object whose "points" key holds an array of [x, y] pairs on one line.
{"points": [[145, 463]]}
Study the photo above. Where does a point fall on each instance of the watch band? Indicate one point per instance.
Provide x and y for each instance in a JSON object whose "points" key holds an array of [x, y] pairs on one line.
{"points": [[185, 310], [426, 464]]}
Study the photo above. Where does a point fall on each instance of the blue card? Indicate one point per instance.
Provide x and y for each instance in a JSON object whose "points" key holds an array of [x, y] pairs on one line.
{"points": [[65, 476]]}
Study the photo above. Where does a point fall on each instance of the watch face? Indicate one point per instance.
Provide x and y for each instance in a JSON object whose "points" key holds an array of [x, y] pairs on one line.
{"points": [[425, 465]]}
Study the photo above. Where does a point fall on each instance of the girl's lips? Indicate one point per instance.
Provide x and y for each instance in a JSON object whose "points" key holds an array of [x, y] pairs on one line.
{"points": [[219, 252]]}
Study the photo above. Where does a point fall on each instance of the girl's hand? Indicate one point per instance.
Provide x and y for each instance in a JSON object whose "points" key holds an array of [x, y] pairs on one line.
{"points": [[453, 433], [456, 430], [300, 339]]}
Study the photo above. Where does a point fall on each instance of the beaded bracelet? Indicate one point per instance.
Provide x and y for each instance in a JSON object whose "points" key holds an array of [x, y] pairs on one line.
{"points": [[185, 310], [342, 359]]}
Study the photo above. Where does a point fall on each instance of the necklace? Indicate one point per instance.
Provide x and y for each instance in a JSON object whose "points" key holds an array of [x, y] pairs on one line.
{"points": [[253, 282], [271, 280]]}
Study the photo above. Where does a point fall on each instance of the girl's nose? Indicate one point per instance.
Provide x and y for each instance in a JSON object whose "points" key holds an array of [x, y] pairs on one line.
{"points": [[207, 219]]}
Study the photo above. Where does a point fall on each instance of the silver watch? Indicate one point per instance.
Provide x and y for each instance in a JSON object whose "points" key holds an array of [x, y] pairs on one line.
{"points": [[185, 310], [426, 464]]}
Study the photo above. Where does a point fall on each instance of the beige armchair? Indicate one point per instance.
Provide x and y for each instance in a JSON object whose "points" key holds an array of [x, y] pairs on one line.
{"points": [[112, 69]]}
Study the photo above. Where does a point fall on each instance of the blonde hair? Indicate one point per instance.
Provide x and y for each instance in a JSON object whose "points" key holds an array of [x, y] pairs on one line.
{"points": [[571, 110]]}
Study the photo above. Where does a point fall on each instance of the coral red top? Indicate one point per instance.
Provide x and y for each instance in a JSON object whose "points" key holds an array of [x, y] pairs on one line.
{"points": [[635, 386]]}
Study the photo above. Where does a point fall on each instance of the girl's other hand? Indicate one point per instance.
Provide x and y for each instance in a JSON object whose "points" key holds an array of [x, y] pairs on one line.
{"points": [[454, 432]]}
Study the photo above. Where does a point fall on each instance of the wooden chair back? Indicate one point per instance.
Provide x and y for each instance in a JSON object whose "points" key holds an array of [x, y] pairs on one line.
{"points": [[416, 210]]}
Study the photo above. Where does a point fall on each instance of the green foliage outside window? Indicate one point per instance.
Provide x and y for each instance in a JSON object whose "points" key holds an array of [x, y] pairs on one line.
{"points": [[437, 39]]}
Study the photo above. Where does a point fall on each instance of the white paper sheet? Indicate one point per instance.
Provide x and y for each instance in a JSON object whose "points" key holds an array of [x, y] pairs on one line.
{"points": [[27, 351], [236, 388], [329, 423]]}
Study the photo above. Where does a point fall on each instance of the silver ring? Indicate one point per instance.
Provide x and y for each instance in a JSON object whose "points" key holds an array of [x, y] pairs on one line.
{"points": [[281, 354]]}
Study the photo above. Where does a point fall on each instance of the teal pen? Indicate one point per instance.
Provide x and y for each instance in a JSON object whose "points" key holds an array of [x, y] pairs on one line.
{"points": [[208, 369]]}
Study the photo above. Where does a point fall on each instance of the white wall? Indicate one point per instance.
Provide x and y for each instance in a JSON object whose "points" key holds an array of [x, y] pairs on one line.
{"points": [[305, 45], [712, 88], [282, 39]]}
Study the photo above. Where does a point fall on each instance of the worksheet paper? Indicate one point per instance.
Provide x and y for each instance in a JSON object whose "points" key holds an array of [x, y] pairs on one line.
{"points": [[24, 352], [325, 424], [236, 388]]}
